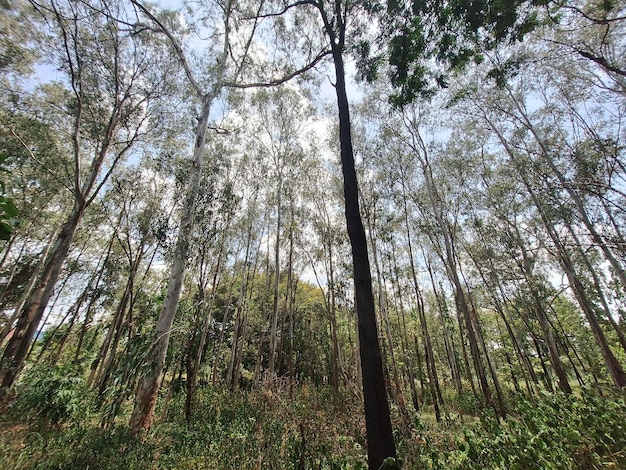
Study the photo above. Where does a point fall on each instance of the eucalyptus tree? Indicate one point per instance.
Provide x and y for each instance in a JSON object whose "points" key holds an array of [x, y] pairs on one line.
{"points": [[555, 145], [212, 246], [503, 225], [32, 147], [277, 131], [32, 159], [339, 19], [534, 178], [440, 202], [403, 179], [325, 247], [136, 209], [111, 78], [250, 228], [229, 59]]}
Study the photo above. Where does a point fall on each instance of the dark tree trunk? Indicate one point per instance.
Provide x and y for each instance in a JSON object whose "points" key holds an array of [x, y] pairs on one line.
{"points": [[380, 442]]}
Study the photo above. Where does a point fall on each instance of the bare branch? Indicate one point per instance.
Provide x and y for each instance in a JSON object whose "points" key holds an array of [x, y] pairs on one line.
{"points": [[283, 11], [601, 61], [40, 163], [284, 78], [604, 21]]}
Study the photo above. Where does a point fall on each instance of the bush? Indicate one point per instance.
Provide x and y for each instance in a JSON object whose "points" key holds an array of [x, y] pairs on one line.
{"points": [[553, 431], [53, 394]]}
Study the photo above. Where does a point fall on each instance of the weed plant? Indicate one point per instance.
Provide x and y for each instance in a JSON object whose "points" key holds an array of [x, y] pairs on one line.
{"points": [[53, 424]]}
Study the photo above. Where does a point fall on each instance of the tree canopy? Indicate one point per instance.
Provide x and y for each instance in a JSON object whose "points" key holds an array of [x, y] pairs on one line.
{"points": [[317, 234]]}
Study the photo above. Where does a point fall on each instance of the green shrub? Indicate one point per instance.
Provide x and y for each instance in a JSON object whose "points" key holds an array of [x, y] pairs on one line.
{"points": [[551, 432], [53, 394]]}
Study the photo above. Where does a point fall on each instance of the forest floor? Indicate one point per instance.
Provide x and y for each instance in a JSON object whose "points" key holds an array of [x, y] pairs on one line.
{"points": [[312, 429]]}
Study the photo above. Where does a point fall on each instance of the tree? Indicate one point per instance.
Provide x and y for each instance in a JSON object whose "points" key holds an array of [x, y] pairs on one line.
{"points": [[108, 105], [231, 58], [335, 17]]}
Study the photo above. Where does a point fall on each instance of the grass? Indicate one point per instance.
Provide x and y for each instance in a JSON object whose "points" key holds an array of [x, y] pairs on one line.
{"points": [[316, 429]]}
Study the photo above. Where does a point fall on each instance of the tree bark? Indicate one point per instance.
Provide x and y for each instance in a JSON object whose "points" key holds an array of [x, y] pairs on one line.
{"points": [[150, 382], [380, 441], [18, 346]]}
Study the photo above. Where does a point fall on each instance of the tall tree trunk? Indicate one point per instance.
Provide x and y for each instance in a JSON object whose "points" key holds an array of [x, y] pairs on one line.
{"points": [[240, 317], [575, 197], [380, 441], [274, 317], [431, 368], [150, 382], [613, 365], [124, 314], [384, 314], [335, 357], [460, 298], [17, 347], [541, 314], [448, 338], [290, 301], [598, 286]]}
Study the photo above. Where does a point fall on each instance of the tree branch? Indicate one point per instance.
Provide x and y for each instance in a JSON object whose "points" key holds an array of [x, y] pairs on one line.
{"points": [[284, 78], [604, 21], [601, 61], [40, 163], [177, 47], [283, 11]]}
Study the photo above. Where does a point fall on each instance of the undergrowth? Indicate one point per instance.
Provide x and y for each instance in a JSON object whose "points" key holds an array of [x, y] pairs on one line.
{"points": [[56, 425]]}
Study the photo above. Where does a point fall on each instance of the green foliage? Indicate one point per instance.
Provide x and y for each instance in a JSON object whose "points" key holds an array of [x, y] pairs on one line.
{"points": [[8, 211], [449, 34], [53, 394], [316, 428], [552, 431], [80, 446], [230, 430]]}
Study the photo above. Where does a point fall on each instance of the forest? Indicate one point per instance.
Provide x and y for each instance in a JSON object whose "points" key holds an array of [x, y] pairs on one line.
{"points": [[312, 234]]}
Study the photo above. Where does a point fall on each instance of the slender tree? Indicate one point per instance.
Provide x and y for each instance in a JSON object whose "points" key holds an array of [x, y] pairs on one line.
{"points": [[108, 109], [227, 72]]}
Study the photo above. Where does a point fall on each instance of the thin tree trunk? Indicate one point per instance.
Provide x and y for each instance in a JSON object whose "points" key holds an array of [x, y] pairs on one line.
{"points": [[576, 199], [274, 318], [89, 312], [451, 355], [149, 384], [598, 287], [448, 257], [431, 368], [613, 365], [384, 316]]}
